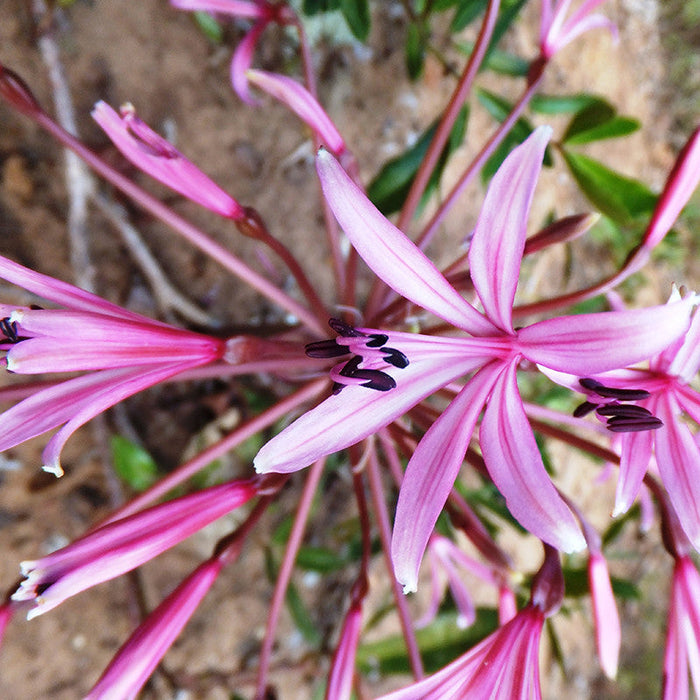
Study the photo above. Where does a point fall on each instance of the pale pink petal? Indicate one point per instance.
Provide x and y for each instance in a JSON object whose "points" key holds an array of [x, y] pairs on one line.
{"points": [[686, 363], [591, 343], [678, 459], [59, 292], [497, 246], [431, 473], [302, 103], [572, 30], [242, 60], [356, 412], [515, 465], [138, 657], [390, 254], [606, 617], [634, 461]]}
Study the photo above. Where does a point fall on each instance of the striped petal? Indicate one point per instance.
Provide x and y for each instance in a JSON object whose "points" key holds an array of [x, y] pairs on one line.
{"points": [[390, 254]]}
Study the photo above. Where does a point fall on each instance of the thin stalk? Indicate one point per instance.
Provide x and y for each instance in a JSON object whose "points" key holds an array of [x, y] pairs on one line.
{"points": [[187, 230], [285, 573], [442, 134], [193, 466], [382, 517]]}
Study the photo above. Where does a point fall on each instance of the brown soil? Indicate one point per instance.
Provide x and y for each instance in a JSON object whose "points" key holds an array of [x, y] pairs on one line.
{"points": [[152, 56]]}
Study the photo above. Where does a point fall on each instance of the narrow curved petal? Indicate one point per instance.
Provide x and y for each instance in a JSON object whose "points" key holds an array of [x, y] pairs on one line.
{"points": [[109, 394], [431, 473], [498, 243], [515, 465], [686, 363], [356, 412], [138, 657], [236, 8], [572, 30], [678, 458], [302, 103], [61, 293], [590, 343], [606, 617], [634, 461], [390, 254], [242, 60], [156, 157]]}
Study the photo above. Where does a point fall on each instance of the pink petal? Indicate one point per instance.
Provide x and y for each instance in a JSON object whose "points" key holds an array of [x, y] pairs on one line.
{"points": [[59, 292], [686, 363], [681, 182], [242, 60], [678, 458], [591, 343], [356, 412], [237, 8], [390, 254], [499, 237], [607, 620], [158, 158], [634, 461], [431, 473], [138, 657], [302, 103], [515, 465], [342, 675], [109, 394]]}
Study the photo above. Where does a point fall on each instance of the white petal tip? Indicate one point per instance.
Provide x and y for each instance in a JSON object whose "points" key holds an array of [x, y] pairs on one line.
{"points": [[55, 469], [410, 587]]}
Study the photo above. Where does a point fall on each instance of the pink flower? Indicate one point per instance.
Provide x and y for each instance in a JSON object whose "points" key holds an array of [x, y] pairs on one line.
{"points": [[122, 545], [138, 657], [124, 351], [682, 650], [504, 665], [577, 344], [556, 31], [157, 157]]}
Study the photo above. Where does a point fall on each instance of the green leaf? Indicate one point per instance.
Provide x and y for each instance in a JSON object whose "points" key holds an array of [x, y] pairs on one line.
{"points": [[415, 50], [319, 559], [499, 109], [313, 7], [596, 121], [390, 186], [439, 643], [133, 464], [356, 13], [500, 62], [209, 26], [302, 618], [467, 12], [617, 196], [560, 104]]}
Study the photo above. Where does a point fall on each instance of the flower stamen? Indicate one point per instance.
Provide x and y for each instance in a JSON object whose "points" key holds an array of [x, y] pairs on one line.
{"points": [[620, 418]]}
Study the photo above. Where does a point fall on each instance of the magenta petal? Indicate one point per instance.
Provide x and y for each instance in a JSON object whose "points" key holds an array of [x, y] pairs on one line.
{"points": [[499, 237], [138, 657], [515, 465], [678, 458], [686, 363], [431, 473], [591, 343], [237, 8], [390, 254], [356, 412]]}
